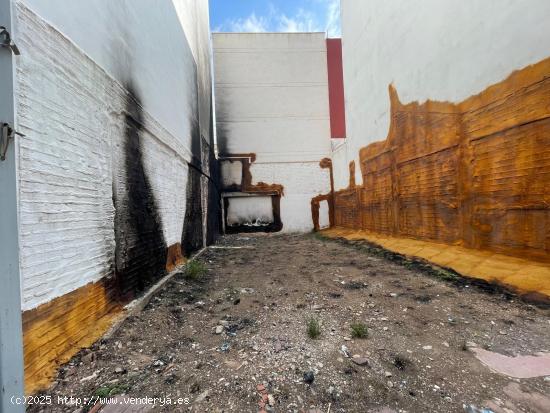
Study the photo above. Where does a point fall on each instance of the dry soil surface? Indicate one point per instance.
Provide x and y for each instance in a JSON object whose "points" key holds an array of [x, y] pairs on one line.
{"points": [[235, 338]]}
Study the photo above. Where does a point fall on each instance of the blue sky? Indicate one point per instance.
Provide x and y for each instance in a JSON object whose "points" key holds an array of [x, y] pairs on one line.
{"points": [[275, 16]]}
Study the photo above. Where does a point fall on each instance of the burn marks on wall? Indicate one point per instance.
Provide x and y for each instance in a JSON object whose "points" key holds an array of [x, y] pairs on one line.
{"points": [[140, 253], [474, 174], [244, 186]]}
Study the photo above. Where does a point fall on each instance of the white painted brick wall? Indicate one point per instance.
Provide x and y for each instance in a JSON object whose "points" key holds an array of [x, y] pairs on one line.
{"points": [[71, 112], [301, 182]]}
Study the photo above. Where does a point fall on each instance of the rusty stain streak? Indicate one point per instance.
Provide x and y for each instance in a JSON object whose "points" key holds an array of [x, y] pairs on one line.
{"points": [[325, 163], [174, 257]]}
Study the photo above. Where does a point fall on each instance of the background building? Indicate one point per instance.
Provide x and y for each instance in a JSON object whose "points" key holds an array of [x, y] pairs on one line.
{"points": [[273, 124]]}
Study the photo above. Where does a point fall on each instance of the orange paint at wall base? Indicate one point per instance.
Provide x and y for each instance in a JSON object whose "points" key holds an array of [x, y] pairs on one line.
{"points": [[525, 277]]}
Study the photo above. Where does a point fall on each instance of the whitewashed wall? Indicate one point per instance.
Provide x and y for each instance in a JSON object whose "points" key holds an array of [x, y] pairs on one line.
{"points": [[432, 49], [272, 100], [70, 101]]}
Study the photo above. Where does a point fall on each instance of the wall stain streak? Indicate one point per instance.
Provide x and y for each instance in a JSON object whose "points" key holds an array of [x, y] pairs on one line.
{"points": [[325, 163], [474, 174], [141, 249]]}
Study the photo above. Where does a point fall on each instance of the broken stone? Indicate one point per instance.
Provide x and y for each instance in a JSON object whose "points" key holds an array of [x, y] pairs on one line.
{"points": [[201, 397], [218, 330], [88, 358], [90, 377], [387, 374], [426, 347], [393, 295], [119, 370], [271, 400], [360, 361]]}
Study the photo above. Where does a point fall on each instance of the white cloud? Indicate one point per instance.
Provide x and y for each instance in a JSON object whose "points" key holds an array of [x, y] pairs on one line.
{"points": [[327, 19], [332, 24], [303, 21], [250, 24]]}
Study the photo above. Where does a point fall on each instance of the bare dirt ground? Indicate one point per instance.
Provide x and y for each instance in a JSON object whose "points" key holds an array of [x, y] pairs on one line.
{"points": [[259, 298]]}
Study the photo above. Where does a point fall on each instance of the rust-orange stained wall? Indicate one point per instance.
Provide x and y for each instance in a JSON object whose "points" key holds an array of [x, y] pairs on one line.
{"points": [[336, 89], [474, 173]]}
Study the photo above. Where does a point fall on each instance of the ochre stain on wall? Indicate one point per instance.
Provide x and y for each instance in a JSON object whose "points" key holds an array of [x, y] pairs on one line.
{"points": [[56, 331], [474, 174], [174, 257], [326, 163]]}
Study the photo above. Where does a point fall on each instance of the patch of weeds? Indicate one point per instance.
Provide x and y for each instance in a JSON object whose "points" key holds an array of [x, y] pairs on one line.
{"points": [[444, 274], [359, 330], [195, 270], [355, 285], [318, 236], [313, 328], [111, 390]]}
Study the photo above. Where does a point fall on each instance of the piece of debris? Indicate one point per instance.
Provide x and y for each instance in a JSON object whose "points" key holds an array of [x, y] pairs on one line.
{"points": [[309, 377], [201, 397], [344, 350]]}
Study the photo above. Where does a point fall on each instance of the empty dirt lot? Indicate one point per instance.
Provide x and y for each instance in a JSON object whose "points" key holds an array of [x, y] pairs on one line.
{"points": [[234, 337]]}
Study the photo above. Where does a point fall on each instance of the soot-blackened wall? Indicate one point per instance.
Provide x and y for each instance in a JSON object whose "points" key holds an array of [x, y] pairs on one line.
{"points": [[102, 183], [140, 252]]}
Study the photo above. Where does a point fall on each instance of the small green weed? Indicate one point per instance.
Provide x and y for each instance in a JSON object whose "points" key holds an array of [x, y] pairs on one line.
{"points": [[313, 328], [195, 270], [359, 330]]}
